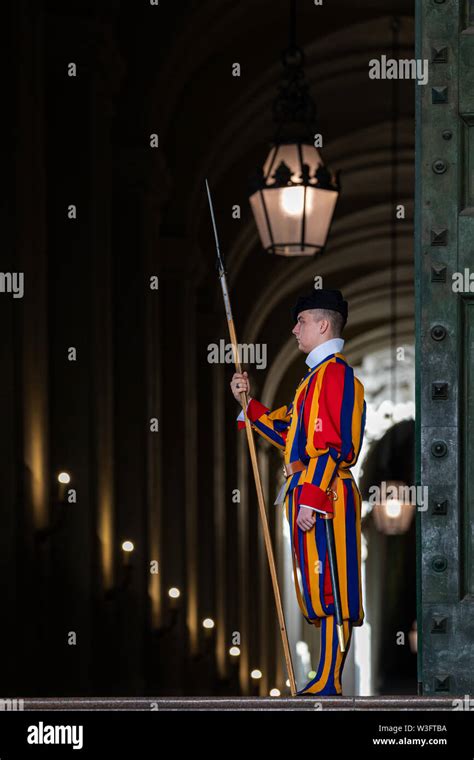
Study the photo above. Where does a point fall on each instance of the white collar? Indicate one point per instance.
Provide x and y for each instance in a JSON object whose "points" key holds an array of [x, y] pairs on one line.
{"points": [[318, 354]]}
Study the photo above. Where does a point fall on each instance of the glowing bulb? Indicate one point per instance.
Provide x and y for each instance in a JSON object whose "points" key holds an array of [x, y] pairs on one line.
{"points": [[287, 681], [274, 692], [393, 508], [64, 477], [234, 651], [312, 674], [292, 200], [208, 623], [128, 546], [256, 674], [174, 593]]}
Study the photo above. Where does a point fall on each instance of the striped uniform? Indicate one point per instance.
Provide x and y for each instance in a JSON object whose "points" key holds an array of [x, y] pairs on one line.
{"points": [[324, 428]]}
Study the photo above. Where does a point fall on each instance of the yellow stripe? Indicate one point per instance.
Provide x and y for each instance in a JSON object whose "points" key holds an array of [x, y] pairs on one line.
{"points": [[327, 474], [337, 669], [299, 595], [327, 655], [357, 411], [357, 499]]}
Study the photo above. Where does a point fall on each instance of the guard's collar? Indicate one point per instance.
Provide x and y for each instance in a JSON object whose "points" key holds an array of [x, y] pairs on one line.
{"points": [[329, 347]]}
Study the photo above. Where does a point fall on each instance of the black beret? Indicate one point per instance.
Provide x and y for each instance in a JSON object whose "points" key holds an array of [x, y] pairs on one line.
{"points": [[321, 299]]}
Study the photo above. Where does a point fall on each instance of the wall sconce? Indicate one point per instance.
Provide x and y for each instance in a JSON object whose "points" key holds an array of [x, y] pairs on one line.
{"points": [[63, 480], [58, 511], [174, 595], [208, 625], [413, 638], [127, 570]]}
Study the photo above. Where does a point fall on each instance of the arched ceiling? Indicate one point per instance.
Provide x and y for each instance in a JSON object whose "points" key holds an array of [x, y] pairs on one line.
{"points": [[219, 127]]}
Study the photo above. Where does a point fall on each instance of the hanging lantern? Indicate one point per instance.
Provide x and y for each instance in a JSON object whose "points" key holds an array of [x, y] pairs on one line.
{"points": [[294, 196], [394, 514]]}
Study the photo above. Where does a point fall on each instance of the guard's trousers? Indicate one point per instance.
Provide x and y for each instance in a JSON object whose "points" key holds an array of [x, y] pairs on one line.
{"points": [[328, 678]]}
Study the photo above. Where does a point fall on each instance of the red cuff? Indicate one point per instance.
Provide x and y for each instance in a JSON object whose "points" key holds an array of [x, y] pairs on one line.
{"points": [[314, 496], [254, 411]]}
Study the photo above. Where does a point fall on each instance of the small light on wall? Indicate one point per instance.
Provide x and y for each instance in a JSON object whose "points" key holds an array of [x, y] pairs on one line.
{"points": [[413, 638], [275, 692], [175, 601], [208, 623], [127, 549], [64, 479], [125, 578], [312, 674], [234, 651], [287, 682], [256, 674]]}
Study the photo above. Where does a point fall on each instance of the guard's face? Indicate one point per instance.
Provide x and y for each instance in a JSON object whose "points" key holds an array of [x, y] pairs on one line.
{"points": [[308, 332]]}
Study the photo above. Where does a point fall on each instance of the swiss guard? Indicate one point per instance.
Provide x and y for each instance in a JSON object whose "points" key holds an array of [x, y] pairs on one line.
{"points": [[320, 434]]}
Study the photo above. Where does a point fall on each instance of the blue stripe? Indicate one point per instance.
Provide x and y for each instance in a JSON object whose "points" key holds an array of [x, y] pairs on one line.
{"points": [[352, 566], [322, 653], [321, 547], [323, 459], [269, 432], [346, 413], [300, 436], [280, 425]]}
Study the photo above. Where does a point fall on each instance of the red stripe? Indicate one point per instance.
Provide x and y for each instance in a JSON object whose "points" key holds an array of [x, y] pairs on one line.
{"points": [[328, 595], [330, 404], [255, 410]]}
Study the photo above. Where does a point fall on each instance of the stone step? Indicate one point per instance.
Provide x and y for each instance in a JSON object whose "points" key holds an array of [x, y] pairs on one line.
{"points": [[242, 703]]}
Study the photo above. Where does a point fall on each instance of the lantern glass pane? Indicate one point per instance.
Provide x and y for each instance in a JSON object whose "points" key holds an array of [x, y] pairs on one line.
{"points": [[320, 205], [286, 207], [256, 203], [286, 227]]}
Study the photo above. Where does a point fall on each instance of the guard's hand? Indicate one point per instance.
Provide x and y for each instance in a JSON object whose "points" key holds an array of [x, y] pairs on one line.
{"points": [[306, 518], [238, 384]]}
